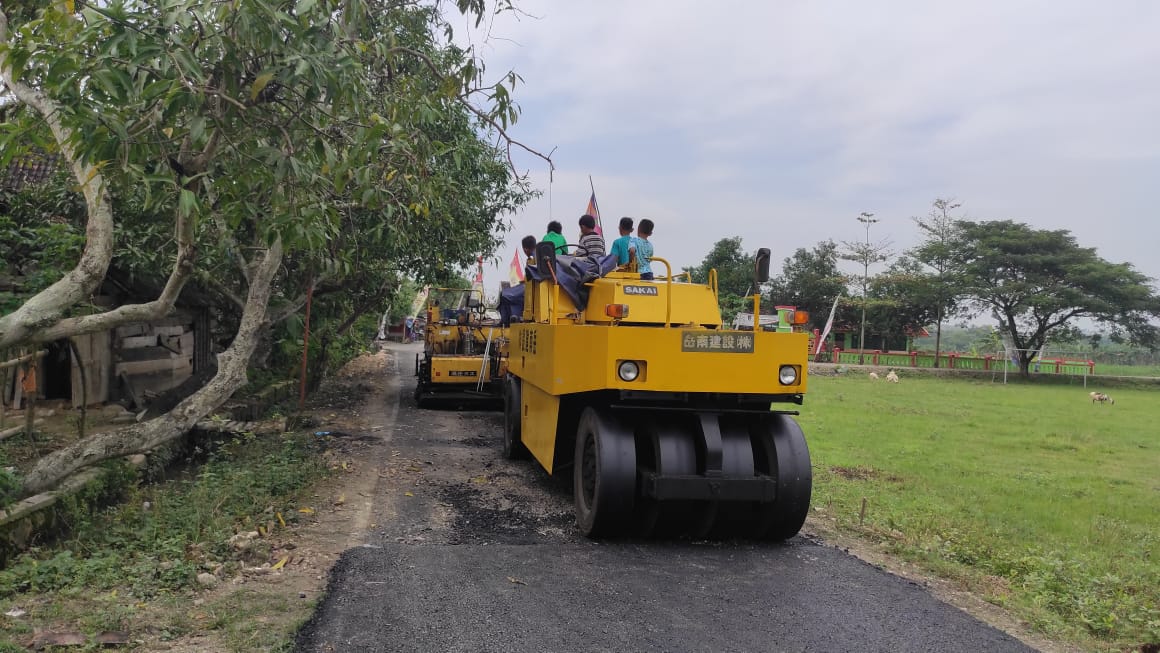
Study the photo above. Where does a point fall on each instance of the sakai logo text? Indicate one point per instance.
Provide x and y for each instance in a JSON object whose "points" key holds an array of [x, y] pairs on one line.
{"points": [[462, 373], [640, 290]]}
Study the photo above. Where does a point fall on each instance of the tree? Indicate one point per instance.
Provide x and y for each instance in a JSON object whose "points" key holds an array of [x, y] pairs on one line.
{"points": [[271, 146], [940, 287], [734, 275], [866, 253], [734, 267], [903, 299], [1038, 282], [810, 280]]}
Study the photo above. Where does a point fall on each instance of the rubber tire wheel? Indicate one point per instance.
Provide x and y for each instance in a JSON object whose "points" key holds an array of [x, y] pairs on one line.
{"points": [[603, 476], [791, 459], [513, 447]]}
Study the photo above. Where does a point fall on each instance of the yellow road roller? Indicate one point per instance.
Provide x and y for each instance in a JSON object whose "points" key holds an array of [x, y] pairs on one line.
{"points": [[670, 423], [462, 359]]}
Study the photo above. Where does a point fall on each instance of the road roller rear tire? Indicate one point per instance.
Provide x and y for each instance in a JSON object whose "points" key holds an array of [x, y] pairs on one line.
{"points": [[604, 475], [513, 447], [780, 450]]}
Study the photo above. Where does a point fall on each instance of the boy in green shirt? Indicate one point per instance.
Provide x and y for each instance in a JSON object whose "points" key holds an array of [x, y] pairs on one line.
{"points": [[556, 237]]}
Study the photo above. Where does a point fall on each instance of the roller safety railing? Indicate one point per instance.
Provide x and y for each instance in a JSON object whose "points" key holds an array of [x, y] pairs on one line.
{"points": [[668, 289]]}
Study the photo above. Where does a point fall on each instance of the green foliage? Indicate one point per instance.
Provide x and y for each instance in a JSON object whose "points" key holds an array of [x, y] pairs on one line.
{"points": [[935, 283], [734, 267], [810, 280], [1027, 493], [735, 270], [41, 237], [903, 299], [160, 537], [348, 131], [1039, 281]]}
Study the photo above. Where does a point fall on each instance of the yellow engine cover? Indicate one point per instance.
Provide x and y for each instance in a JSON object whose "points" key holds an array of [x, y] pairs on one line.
{"points": [[569, 358], [459, 370]]}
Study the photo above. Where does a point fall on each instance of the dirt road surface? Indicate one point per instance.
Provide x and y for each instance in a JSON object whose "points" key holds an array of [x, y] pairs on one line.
{"points": [[454, 548]]}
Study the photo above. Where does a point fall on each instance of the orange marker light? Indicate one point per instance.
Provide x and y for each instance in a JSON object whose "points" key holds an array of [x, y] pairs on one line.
{"points": [[619, 311], [800, 317]]}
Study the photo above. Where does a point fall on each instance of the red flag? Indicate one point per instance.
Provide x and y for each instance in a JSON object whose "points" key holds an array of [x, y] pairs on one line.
{"points": [[594, 211], [516, 271], [477, 282]]}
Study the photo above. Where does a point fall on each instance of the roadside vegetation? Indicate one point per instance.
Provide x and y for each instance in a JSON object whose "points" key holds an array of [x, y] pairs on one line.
{"points": [[263, 156], [1030, 495], [132, 569]]}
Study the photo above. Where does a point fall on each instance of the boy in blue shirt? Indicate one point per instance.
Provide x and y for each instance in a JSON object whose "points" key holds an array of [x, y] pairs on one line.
{"points": [[622, 247], [644, 249]]}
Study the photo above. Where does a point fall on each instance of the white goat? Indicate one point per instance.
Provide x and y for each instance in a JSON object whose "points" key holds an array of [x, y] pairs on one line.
{"points": [[874, 376], [892, 377], [1101, 398]]}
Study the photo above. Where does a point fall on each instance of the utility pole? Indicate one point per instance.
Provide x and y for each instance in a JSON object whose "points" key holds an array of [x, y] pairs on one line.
{"points": [[866, 219]]}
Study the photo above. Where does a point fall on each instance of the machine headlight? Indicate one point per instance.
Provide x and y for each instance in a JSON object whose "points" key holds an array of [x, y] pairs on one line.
{"points": [[628, 371], [787, 374]]}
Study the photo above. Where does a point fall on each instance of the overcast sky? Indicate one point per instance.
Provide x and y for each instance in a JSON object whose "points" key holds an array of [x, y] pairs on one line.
{"points": [[781, 121]]}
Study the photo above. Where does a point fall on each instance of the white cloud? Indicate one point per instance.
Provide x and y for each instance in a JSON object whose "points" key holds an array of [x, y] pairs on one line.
{"points": [[781, 121]]}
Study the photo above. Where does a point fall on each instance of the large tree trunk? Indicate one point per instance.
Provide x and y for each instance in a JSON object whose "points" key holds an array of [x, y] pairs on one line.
{"points": [[140, 438]]}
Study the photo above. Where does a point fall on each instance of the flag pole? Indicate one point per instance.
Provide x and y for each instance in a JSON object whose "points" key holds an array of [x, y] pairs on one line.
{"points": [[599, 222]]}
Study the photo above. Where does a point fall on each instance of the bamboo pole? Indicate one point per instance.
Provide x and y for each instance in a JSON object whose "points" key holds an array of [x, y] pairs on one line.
{"points": [[20, 359]]}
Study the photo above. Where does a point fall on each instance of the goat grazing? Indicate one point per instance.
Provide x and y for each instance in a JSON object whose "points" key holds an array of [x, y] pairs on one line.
{"points": [[874, 376], [1101, 398], [892, 377]]}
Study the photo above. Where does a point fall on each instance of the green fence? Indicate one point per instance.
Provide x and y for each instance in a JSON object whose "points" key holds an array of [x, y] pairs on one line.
{"points": [[954, 361]]}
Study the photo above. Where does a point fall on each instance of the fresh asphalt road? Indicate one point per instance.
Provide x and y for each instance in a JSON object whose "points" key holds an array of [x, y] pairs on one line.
{"points": [[471, 552]]}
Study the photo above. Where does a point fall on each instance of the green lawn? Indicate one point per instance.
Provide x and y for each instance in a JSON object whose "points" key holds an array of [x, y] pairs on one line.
{"points": [[1108, 369], [1033, 496]]}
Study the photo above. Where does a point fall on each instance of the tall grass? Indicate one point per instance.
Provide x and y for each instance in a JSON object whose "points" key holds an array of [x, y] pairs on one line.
{"points": [[1032, 495]]}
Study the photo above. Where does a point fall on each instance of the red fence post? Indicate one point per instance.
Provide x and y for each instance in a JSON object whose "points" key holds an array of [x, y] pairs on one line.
{"points": [[1058, 363], [1091, 367], [837, 351], [987, 362], [876, 352], [914, 359], [951, 360]]}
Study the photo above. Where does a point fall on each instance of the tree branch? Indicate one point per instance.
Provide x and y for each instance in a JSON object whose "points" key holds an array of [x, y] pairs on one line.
{"points": [[472, 108], [139, 438], [160, 307], [48, 306]]}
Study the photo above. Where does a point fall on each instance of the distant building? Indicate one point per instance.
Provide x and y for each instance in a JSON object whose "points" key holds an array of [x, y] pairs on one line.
{"points": [[28, 170]]}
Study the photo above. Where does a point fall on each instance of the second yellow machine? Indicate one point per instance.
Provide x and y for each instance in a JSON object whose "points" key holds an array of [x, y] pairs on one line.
{"points": [[462, 359], [668, 422]]}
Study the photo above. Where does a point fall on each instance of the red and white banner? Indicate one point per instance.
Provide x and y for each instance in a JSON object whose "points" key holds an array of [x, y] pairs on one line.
{"points": [[516, 271], [829, 323]]}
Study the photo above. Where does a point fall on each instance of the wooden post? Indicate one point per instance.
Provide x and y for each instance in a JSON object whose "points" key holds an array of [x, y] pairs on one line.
{"points": [[76, 354], [862, 513], [28, 384], [3, 392], [305, 347]]}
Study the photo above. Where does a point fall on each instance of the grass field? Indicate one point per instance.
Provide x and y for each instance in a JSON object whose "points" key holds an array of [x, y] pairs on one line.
{"points": [[1031, 495], [1108, 369]]}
